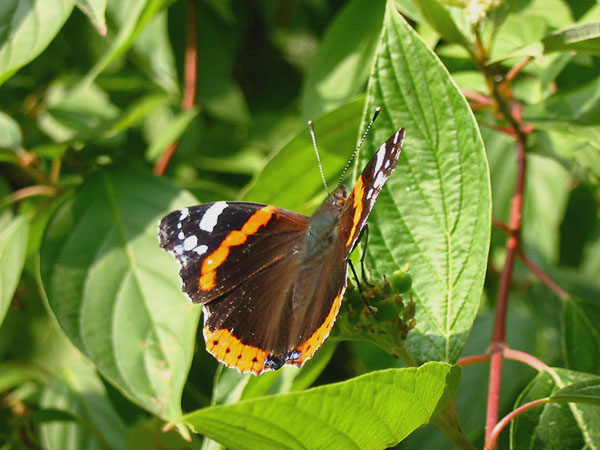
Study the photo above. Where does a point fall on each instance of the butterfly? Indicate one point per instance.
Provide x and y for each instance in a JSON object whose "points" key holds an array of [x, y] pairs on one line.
{"points": [[272, 280]]}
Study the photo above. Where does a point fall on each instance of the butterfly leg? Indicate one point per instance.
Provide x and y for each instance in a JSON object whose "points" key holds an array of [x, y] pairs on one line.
{"points": [[363, 269]]}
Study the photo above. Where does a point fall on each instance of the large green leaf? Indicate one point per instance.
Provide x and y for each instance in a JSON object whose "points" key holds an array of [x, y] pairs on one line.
{"points": [[376, 410], [13, 242], [340, 68], [79, 392], [26, 29], [115, 293], [435, 209], [558, 426]]}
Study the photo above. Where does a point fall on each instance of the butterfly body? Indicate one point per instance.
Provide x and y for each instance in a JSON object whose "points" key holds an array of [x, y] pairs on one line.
{"points": [[272, 280]]}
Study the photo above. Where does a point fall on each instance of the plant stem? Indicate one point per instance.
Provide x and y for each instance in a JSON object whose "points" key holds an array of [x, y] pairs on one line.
{"points": [[501, 93], [189, 88], [491, 441], [560, 292]]}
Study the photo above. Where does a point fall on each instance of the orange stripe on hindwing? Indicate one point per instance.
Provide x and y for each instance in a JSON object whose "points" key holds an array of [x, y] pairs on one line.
{"points": [[359, 193], [233, 353], [208, 272], [312, 344]]}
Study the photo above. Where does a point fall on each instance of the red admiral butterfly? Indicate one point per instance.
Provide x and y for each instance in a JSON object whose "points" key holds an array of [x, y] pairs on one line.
{"points": [[272, 280]]}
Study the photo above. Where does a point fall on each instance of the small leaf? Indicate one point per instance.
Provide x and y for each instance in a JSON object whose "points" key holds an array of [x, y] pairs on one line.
{"points": [[115, 293], [132, 17], [581, 334], [94, 9], [79, 411], [13, 243], [170, 133], [376, 410], [26, 29], [156, 55], [579, 423], [582, 38], [10, 132], [340, 68], [336, 136], [442, 21], [434, 211], [587, 392]]}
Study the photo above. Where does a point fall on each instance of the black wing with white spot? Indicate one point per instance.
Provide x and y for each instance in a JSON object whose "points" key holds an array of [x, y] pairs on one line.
{"points": [[221, 245]]}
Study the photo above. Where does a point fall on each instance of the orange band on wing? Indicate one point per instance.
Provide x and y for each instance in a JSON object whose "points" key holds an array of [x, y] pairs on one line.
{"points": [[208, 274], [358, 192], [233, 353], [312, 344]]}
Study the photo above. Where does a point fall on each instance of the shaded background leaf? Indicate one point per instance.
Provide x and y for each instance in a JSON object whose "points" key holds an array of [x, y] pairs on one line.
{"points": [[100, 255]]}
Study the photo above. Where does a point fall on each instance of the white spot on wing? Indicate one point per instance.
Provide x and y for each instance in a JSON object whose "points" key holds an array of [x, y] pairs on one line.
{"points": [[201, 249], [181, 236], [369, 194], [183, 214], [210, 217], [380, 156], [379, 180], [387, 164], [190, 243], [396, 137]]}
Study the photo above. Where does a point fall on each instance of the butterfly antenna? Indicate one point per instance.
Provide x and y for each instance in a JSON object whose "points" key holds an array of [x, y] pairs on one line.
{"points": [[314, 141], [362, 139]]}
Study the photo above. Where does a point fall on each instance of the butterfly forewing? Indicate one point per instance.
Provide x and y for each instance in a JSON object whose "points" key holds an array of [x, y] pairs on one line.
{"points": [[366, 189], [219, 245]]}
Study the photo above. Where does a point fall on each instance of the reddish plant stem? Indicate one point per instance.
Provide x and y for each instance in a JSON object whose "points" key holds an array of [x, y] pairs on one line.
{"points": [[501, 225], [514, 71], [491, 441], [526, 358], [189, 87], [474, 359], [477, 97], [560, 292], [501, 92]]}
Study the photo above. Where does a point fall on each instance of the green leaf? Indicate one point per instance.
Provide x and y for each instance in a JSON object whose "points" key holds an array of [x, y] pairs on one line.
{"points": [[567, 129], [557, 426], [14, 374], [582, 38], [170, 133], [26, 29], [10, 132], [70, 111], [131, 17], [442, 21], [581, 334], [115, 293], [13, 242], [336, 136], [79, 393], [519, 36], [340, 68], [376, 410], [155, 56], [218, 91], [434, 211], [587, 392], [95, 10]]}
